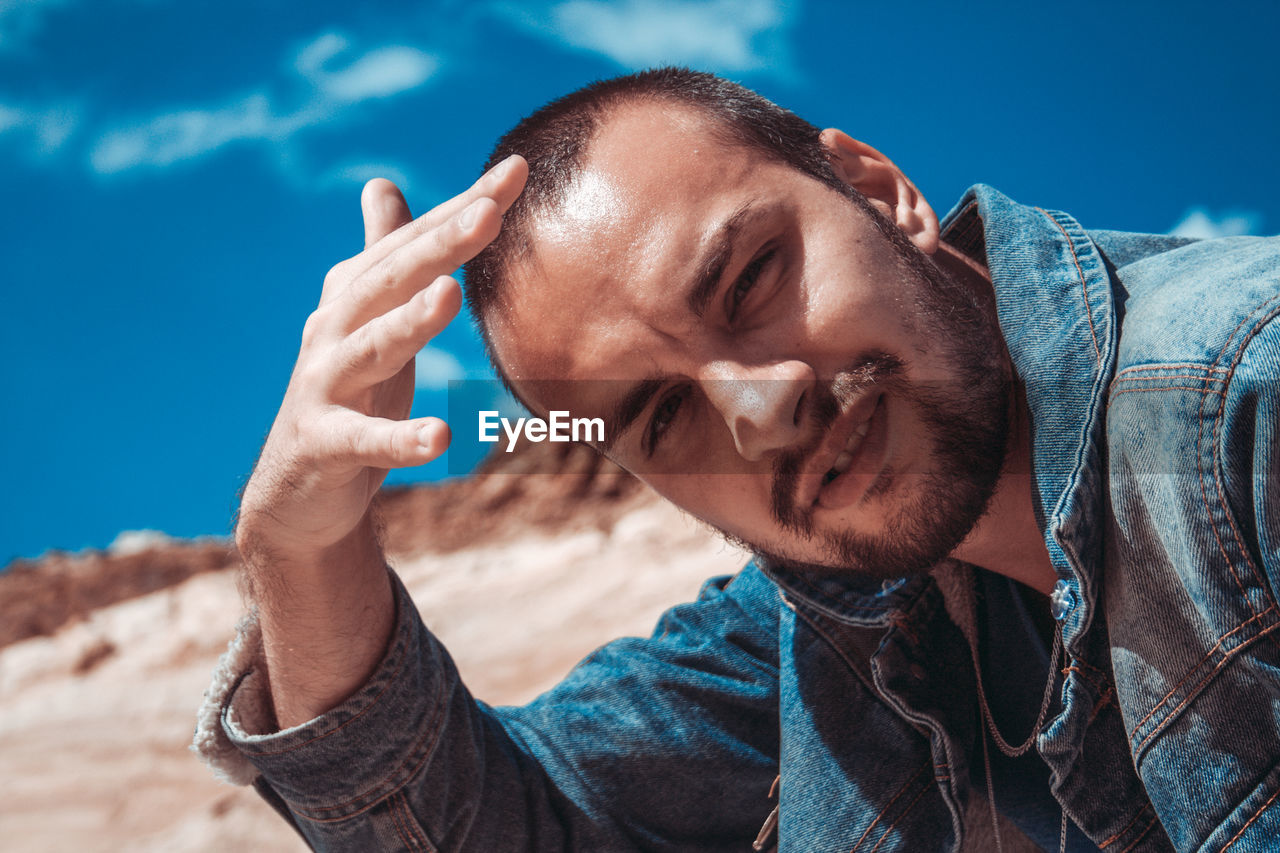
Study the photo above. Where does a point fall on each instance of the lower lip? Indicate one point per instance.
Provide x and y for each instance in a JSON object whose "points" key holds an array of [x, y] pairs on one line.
{"points": [[849, 487]]}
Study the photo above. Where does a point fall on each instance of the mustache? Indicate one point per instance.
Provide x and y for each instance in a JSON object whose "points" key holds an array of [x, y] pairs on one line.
{"points": [[827, 403]]}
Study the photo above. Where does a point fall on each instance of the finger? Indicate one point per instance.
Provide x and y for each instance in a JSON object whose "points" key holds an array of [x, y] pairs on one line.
{"points": [[503, 184], [384, 210], [379, 349], [362, 441], [395, 280]]}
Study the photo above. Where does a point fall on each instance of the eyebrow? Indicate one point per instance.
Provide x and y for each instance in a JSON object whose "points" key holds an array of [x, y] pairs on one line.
{"points": [[711, 270], [626, 410], [705, 284]]}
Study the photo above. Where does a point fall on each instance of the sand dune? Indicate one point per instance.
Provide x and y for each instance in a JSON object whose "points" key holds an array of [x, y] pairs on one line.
{"points": [[520, 573]]}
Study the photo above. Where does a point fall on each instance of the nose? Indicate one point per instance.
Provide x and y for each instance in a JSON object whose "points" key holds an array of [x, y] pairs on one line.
{"points": [[761, 404]]}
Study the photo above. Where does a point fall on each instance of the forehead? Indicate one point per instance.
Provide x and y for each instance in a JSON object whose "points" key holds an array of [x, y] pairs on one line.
{"points": [[607, 262]]}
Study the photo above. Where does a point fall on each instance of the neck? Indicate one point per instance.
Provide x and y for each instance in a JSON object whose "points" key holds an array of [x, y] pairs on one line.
{"points": [[1008, 538]]}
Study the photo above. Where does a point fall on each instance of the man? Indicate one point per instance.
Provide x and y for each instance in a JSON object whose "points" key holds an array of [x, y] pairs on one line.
{"points": [[922, 429]]}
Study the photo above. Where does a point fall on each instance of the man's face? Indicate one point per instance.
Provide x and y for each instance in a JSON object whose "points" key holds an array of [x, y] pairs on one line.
{"points": [[760, 353]]}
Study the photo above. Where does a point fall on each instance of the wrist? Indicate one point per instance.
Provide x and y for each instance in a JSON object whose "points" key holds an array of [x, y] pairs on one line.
{"points": [[326, 615], [268, 552]]}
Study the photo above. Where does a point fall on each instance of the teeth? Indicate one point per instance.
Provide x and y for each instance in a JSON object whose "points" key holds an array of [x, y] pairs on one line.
{"points": [[851, 446], [846, 456]]}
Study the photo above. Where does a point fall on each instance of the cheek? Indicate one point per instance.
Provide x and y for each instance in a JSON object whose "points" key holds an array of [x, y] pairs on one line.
{"points": [[737, 504], [689, 491], [845, 313]]}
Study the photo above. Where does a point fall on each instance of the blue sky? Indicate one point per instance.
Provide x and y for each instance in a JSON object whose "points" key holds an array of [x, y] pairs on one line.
{"points": [[177, 177]]}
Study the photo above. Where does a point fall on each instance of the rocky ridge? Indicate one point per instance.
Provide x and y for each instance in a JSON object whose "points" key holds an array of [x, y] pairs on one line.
{"points": [[521, 569]]}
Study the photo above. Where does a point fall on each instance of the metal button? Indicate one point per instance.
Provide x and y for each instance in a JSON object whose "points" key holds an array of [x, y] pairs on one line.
{"points": [[1062, 600], [890, 585]]}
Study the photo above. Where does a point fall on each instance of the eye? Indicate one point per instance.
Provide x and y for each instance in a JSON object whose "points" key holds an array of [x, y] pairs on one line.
{"points": [[747, 280], [664, 415]]}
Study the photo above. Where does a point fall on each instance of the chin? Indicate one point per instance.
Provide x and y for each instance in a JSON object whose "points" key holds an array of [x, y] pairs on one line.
{"points": [[918, 525]]}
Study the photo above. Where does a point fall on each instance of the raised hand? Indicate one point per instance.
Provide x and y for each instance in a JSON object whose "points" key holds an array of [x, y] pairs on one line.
{"points": [[314, 567]]}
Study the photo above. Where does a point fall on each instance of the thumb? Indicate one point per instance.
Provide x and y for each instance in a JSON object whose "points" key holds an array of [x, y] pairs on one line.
{"points": [[384, 210]]}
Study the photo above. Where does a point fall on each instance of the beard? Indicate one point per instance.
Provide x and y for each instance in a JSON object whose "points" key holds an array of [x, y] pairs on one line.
{"points": [[966, 420]]}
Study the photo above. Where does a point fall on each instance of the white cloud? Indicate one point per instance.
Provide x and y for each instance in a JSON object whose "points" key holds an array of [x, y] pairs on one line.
{"points": [[1200, 222], [714, 35], [380, 74], [184, 134], [47, 129], [360, 173], [311, 59], [434, 368], [171, 137], [11, 118], [129, 542]]}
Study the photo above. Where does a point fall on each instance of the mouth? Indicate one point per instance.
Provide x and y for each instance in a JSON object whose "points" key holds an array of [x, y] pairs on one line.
{"points": [[845, 459], [839, 471]]}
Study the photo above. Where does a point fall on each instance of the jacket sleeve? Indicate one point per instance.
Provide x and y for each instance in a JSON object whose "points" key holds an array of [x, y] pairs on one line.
{"points": [[1192, 595], [1251, 446], [665, 743], [1245, 715]]}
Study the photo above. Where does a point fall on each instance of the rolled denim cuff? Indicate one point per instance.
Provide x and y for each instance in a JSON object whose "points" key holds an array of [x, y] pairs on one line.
{"points": [[342, 761]]}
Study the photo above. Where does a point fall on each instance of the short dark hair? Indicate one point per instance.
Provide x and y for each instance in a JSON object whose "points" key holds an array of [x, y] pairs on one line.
{"points": [[554, 140]]}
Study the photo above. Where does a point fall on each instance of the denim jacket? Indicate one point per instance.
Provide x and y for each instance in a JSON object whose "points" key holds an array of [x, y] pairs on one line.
{"points": [[1149, 366]]}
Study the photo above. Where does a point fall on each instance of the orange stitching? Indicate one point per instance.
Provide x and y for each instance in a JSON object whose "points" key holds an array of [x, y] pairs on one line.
{"points": [[1154, 820], [886, 808], [1263, 586], [1205, 391], [1227, 344], [1250, 821], [1102, 702], [411, 823], [1088, 311], [1204, 498], [1265, 632], [1199, 663], [395, 820], [1190, 365], [1122, 831], [1092, 681], [1194, 377], [910, 805], [1075, 661], [1217, 425], [419, 831]]}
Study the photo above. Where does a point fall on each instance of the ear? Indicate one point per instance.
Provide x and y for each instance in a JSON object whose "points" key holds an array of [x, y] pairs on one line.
{"points": [[874, 175]]}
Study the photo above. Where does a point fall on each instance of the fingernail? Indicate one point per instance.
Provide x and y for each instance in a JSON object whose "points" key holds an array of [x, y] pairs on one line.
{"points": [[468, 217], [426, 433]]}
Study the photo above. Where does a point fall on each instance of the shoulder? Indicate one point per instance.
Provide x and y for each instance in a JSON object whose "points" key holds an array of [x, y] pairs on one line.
{"points": [[1194, 302], [1192, 417]]}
